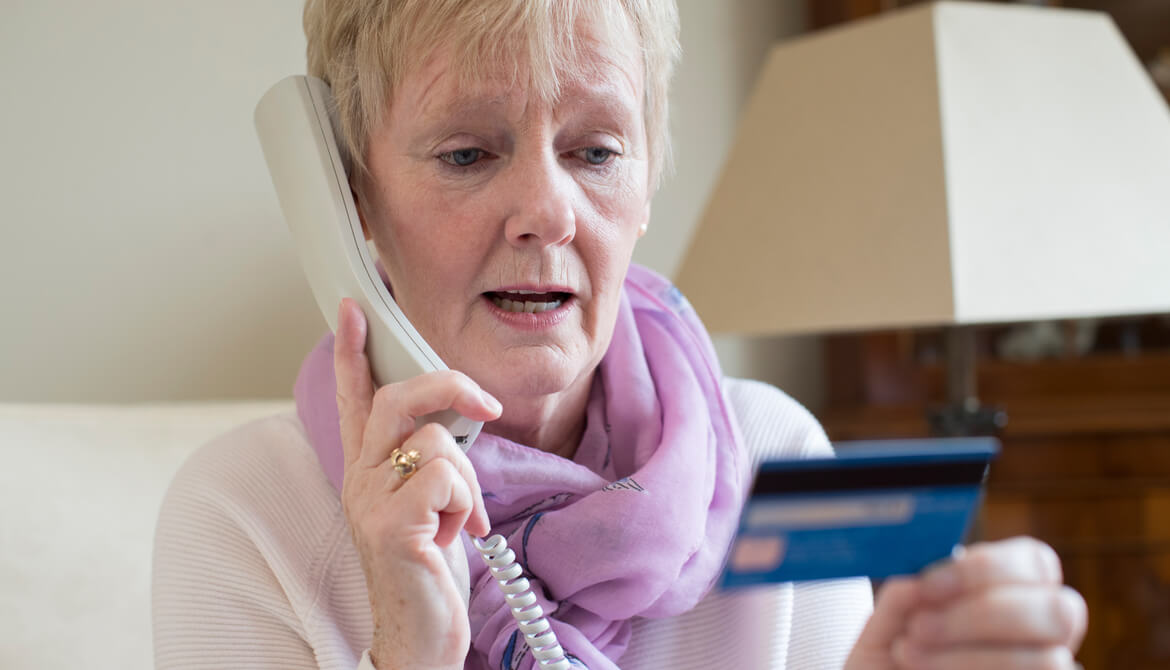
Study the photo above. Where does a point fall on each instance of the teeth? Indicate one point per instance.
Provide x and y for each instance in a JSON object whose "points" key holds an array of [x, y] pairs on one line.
{"points": [[525, 306]]}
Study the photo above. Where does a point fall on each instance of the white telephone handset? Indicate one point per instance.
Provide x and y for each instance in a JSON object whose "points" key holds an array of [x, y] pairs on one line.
{"points": [[295, 121]]}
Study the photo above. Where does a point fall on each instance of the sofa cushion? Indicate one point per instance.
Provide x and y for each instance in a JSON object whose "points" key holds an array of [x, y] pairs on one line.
{"points": [[80, 489]]}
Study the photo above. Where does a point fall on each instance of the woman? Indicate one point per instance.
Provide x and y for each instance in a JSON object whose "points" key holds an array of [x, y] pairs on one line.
{"points": [[506, 154]]}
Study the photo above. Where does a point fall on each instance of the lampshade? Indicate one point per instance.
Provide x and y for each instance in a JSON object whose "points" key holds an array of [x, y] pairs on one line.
{"points": [[951, 163]]}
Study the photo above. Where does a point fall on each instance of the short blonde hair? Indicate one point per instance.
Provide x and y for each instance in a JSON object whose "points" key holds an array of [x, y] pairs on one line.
{"points": [[364, 48]]}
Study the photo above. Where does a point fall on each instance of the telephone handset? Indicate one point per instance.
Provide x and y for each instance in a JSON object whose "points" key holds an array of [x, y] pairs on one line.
{"points": [[295, 121]]}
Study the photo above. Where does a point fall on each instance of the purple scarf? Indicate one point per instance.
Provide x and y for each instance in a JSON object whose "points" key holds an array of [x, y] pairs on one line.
{"points": [[637, 524]]}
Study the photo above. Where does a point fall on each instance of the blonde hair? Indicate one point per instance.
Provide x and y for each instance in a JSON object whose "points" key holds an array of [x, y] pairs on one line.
{"points": [[364, 48]]}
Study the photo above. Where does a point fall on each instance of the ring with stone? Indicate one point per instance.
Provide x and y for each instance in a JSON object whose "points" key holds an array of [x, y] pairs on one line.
{"points": [[405, 462]]}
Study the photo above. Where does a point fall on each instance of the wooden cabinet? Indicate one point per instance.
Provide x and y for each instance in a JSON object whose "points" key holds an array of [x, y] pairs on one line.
{"points": [[1085, 467]]}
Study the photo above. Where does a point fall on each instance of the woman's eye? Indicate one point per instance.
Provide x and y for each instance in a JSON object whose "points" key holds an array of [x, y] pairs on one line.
{"points": [[596, 155], [462, 157]]}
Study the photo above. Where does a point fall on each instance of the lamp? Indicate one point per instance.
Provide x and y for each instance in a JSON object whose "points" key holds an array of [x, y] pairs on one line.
{"points": [[954, 164]]}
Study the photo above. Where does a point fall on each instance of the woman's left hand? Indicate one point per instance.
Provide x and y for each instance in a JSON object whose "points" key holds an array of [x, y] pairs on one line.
{"points": [[998, 605]]}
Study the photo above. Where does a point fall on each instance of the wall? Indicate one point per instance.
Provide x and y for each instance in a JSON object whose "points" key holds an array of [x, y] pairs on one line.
{"points": [[724, 44], [143, 254]]}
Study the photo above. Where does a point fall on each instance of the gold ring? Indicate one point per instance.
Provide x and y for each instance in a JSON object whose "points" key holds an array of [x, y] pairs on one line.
{"points": [[405, 463]]}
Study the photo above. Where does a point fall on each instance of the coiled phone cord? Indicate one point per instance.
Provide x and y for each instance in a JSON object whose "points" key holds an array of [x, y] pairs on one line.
{"points": [[538, 633]]}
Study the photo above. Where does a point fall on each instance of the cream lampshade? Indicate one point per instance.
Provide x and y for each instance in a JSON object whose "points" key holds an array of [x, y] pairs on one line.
{"points": [[952, 163]]}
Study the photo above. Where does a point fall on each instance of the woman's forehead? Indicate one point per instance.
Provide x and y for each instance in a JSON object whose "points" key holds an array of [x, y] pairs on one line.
{"points": [[601, 56], [438, 91]]}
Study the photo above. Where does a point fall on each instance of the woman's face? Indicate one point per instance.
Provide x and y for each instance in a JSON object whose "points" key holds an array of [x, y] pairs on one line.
{"points": [[506, 223]]}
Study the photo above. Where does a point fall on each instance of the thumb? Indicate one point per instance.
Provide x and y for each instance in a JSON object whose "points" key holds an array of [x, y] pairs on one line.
{"points": [[355, 386], [895, 601]]}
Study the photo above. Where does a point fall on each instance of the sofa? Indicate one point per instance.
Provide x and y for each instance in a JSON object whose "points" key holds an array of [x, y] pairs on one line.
{"points": [[80, 489]]}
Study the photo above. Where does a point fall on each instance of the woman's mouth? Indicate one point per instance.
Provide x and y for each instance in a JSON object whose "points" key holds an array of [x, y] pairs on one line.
{"points": [[531, 302]]}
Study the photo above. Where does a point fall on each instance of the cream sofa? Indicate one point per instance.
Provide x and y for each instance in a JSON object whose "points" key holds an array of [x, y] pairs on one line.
{"points": [[80, 487]]}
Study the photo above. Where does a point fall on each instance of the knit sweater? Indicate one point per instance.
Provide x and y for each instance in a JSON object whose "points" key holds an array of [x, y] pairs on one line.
{"points": [[254, 566]]}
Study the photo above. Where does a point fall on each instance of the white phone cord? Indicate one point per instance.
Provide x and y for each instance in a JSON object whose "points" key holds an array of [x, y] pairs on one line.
{"points": [[541, 638]]}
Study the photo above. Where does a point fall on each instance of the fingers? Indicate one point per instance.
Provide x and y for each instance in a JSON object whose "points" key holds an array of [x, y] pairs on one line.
{"points": [[911, 657], [441, 498], [1024, 615], [373, 423], [396, 406], [895, 602], [355, 386], [1022, 560], [437, 489], [436, 446], [997, 605]]}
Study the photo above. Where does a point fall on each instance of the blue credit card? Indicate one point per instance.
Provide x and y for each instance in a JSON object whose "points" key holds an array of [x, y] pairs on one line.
{"points": [[878, 509]]}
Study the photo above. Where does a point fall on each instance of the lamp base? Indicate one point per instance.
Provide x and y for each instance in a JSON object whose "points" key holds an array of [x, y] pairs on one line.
{"points": [[966, 419]]}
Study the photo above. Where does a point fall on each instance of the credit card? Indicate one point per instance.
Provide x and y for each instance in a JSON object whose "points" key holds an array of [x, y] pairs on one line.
{"points": [[878, 509]]}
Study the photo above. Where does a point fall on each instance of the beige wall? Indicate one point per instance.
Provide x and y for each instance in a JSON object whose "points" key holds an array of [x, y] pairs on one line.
{"points": [[724, 44], [143, 255]]}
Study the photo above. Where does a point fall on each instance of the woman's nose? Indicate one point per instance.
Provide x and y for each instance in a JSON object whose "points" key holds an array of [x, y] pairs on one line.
{"points": [[541, 212]]}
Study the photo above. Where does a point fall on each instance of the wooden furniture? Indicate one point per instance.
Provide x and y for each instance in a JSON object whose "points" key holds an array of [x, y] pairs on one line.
{"points": [[1085, 467]]}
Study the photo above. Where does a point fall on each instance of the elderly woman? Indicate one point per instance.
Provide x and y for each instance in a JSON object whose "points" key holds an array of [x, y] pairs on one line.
{"points": [[506, 153]]}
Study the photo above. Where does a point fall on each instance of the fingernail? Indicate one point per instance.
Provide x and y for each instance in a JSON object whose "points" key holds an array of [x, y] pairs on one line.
{"points": [[348, 321], [490, 400], [479, 522], [940, 583]]}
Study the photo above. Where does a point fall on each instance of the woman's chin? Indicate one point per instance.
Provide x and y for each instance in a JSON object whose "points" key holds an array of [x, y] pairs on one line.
{"points": [[530, 371]]}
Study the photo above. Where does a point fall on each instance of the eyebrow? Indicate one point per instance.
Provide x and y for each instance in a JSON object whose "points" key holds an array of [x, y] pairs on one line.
{"points": [[463, 106], [608, 103], [611, 97]]}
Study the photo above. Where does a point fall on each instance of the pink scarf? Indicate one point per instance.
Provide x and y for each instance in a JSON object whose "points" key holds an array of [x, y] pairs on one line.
{"points": [[637, 524]]}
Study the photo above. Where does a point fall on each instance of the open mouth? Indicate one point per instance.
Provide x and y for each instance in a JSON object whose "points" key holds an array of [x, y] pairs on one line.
{"points": [[532, 302]]}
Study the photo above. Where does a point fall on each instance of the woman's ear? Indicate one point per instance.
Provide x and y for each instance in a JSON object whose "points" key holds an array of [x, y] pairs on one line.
{"points": [[645, 221]]}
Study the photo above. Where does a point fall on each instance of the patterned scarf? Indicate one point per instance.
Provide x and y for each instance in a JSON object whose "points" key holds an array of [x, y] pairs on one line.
{"points": [[637, 524]]}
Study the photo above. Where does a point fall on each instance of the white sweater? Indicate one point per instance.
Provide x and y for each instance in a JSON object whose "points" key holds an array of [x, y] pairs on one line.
{"points": [[254, 566]]}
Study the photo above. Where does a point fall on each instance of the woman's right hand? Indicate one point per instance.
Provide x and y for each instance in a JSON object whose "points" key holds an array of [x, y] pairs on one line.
{"points": [[405, 531]]}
